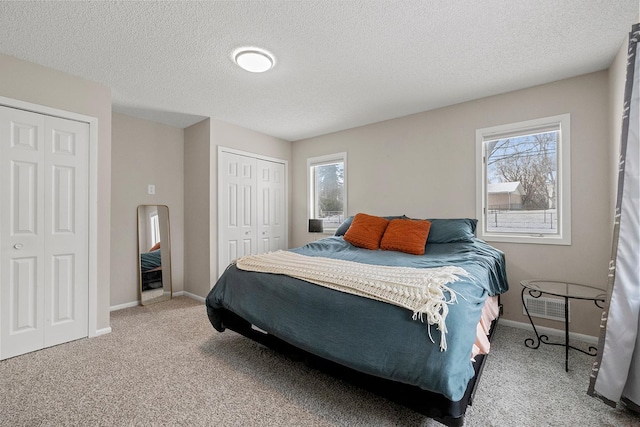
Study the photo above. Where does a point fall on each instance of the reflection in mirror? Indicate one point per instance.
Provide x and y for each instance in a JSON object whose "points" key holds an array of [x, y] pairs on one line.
{"points": [[154, 253]]}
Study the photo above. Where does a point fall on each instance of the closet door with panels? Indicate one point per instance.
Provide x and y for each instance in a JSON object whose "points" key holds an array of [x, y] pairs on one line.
{"points": [[252, 207], [44, 241], [271, 206], [237, 206]]}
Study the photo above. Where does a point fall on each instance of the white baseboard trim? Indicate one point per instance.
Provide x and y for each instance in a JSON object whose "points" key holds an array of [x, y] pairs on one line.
{"points": [[125, 305], [192, 296], [175, 294], [549, 331], [102, 331]]}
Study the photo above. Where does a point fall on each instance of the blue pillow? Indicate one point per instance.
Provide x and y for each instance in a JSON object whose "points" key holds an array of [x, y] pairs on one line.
{"points": [[450, 230], [342, 230]]}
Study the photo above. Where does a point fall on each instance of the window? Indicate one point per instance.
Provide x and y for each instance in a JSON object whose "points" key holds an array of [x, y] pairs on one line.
{"points": [[154, 226], [327, 184], [523, 182]]}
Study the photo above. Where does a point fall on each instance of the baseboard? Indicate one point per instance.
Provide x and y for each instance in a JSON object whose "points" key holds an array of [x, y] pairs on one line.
{"points": [[125, 305], [192, 296], [550, 331], [175, 294], [102, 331]]}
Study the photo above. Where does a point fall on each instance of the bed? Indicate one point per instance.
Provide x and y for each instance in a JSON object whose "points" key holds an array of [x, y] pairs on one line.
{"points": [[151, 269], [381, 346]]}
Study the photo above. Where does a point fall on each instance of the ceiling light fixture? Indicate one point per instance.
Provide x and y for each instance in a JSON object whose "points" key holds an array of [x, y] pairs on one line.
{"points": [[253, 59]]}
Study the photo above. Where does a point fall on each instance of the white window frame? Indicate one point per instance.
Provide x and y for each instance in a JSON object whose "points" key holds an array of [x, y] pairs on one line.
{"points": [[319, 161], [563, 178]]}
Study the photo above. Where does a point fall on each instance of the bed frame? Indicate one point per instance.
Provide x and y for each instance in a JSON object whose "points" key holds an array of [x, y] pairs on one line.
{"points": [[152, 279], [433, 405]]}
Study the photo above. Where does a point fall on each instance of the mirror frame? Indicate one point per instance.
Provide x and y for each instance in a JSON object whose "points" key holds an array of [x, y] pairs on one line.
{"points": [[167, 283]]}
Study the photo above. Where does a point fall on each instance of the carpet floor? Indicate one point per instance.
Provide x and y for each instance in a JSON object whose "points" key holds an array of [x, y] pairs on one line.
{"points": [[164, 365]]}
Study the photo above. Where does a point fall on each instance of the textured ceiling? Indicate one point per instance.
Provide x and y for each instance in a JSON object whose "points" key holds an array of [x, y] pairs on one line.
{"points": [[340, 64]]}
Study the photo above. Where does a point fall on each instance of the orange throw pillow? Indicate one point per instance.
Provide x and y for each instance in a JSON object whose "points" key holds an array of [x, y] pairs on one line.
{"points": [[366, 231], [406, 235]]}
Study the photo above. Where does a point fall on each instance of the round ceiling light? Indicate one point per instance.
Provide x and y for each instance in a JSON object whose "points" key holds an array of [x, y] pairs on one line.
{"points": [[253, 59]]}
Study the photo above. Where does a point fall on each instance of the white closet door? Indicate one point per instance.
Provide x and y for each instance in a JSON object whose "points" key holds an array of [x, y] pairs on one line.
{"points": [[66, 230], [271, 206], [237, 202], [43, 231], [21, 232]]}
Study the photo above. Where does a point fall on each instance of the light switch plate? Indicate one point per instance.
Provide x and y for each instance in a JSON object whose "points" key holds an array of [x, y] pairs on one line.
{"points": [[152, 189]]}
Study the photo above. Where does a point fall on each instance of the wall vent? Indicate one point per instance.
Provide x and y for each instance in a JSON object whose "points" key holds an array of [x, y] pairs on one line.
{"points": [[546, 308]]}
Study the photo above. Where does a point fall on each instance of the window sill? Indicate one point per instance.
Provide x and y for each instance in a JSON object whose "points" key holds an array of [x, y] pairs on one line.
{"points": [[535, 239]]}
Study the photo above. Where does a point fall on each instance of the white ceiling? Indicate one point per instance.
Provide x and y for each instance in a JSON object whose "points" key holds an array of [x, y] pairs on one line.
{"points": [[339, 64]]}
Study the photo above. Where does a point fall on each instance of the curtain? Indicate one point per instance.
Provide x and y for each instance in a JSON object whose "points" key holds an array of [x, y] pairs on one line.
{"points": [[616, 371]]}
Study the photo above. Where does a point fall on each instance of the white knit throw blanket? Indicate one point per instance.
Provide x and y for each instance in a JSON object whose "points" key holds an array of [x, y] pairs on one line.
{"points": [[421, 290]]}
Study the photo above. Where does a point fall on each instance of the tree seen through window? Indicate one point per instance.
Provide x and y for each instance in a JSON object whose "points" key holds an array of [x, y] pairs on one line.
{"points": [[329, 203], [529, 163], [529, 160]]}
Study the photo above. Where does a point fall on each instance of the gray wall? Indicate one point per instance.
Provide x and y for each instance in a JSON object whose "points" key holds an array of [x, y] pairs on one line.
{"points": [[143, 153], [182, 163], [424, 166], [201, 185], [197, 164]]}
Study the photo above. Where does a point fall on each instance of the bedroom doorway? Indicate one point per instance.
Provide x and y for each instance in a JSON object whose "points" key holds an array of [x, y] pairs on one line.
{"points": [[44, 230]]}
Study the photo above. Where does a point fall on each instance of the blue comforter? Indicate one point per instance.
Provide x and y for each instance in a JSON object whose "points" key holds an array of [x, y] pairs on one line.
{"points": [[150, 260], [367, 335]]}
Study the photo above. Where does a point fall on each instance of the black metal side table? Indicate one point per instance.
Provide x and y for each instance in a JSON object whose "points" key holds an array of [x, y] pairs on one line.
{"points": [[567, 291]]}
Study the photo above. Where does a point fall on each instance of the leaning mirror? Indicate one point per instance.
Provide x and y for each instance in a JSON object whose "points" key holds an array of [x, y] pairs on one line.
{"points": [[154, 253]]}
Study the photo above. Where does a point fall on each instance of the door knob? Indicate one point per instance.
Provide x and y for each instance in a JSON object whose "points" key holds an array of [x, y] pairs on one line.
{"points": [[17, 246]]}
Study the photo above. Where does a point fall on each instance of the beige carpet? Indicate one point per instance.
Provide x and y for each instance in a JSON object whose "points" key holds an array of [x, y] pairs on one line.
{"points": [[165, 365]]}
